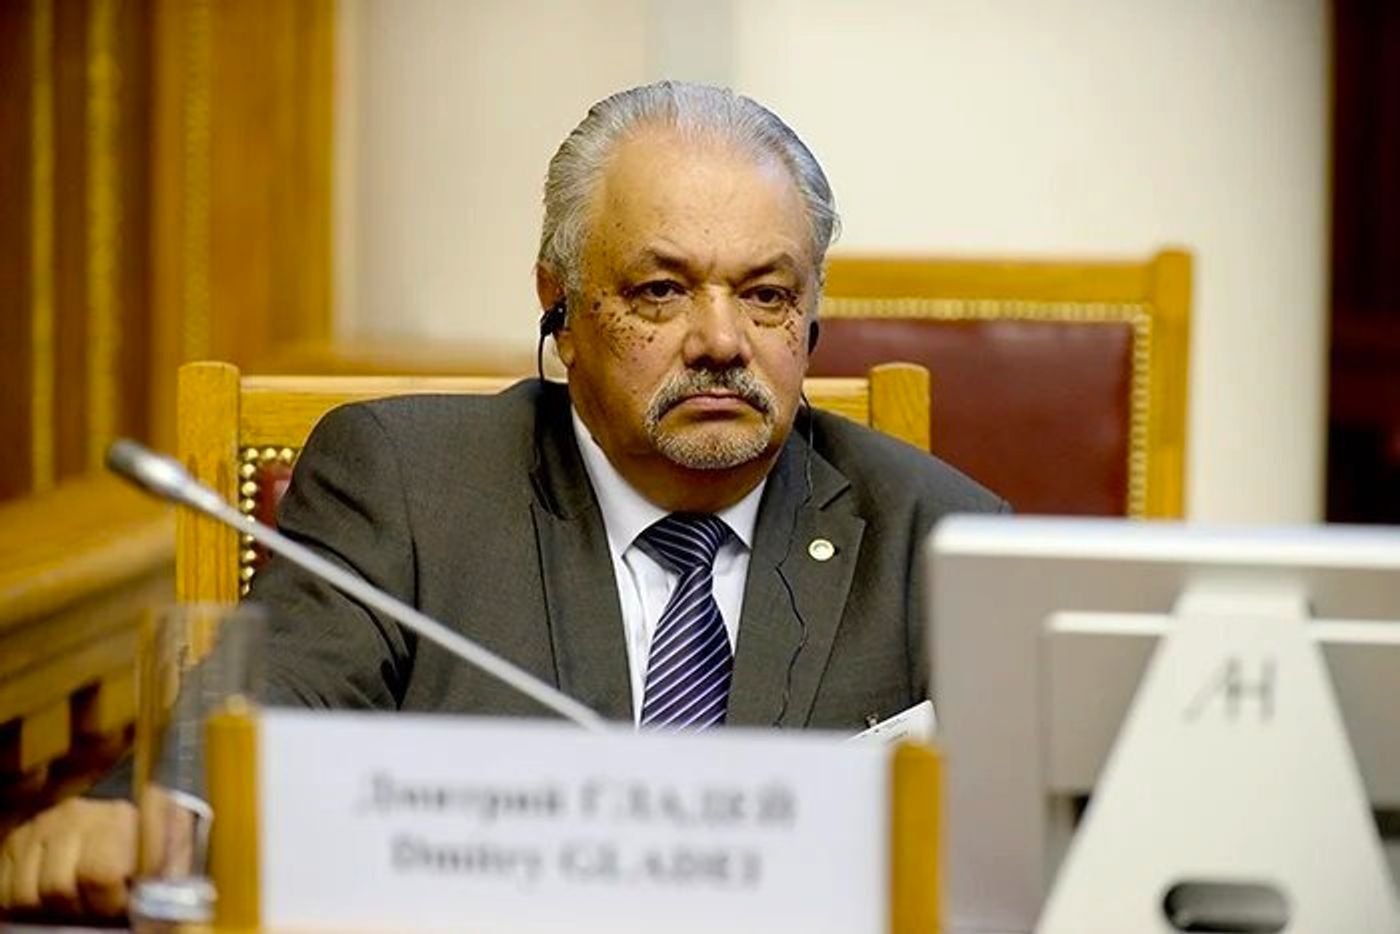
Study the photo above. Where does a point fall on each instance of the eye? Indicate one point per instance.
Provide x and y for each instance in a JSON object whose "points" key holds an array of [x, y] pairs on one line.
{"points": [[768, 297], [658, 290]]}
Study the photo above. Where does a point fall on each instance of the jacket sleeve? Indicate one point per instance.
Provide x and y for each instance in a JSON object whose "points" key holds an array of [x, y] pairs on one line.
{"points": [[346, 501]]}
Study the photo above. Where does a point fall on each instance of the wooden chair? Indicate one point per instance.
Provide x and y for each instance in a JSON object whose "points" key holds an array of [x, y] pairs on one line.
{"points": [[1061, 385], [241, 435]]}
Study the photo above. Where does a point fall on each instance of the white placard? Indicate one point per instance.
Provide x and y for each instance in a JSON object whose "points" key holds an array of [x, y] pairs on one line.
{"points": [[917, 724], [402, 822]]}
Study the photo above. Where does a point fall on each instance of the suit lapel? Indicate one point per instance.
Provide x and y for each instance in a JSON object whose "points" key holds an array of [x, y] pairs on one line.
{"points": [[779, 632], [776, 633], [585, 618]]}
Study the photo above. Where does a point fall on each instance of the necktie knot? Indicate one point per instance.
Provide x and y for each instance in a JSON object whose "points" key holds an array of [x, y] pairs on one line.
{"points": [[684, 541]]}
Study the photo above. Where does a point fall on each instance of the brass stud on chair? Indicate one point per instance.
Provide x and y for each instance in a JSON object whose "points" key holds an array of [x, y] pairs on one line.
{"points": [[252, 461]]}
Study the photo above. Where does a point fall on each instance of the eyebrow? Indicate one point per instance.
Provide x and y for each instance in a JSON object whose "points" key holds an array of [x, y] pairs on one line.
{"points": [[677, 263]]}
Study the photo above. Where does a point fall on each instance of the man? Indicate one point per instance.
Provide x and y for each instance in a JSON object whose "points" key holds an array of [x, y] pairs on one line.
{"points": [[673, 539]]}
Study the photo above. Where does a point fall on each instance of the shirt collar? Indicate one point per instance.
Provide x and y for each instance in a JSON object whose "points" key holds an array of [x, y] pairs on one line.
{"points": [[627, 513]]}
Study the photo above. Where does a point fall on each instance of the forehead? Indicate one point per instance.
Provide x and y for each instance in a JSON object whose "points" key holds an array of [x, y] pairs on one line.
{"points": [[703, 196]]}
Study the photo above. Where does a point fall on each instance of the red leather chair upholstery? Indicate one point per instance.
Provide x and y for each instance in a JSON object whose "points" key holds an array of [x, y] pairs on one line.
{"points": [[1062, 386]]}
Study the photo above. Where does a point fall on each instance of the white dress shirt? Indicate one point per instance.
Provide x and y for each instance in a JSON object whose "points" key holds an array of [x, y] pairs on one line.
{"points": [[643, 585]]}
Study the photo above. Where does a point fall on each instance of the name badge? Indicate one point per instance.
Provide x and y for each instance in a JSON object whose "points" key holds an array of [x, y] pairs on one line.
{"points": [[377, 822]]}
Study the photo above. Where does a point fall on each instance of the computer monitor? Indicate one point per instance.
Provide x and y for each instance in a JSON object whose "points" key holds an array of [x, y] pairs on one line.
{"points": [[1028, 709]]}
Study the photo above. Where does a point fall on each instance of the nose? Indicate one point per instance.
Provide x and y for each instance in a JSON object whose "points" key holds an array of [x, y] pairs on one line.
{"points": [[718, 337]]}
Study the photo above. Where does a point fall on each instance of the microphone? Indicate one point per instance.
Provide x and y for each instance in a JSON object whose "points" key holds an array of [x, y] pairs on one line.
{"points": [[162, 476], [167, 479]]}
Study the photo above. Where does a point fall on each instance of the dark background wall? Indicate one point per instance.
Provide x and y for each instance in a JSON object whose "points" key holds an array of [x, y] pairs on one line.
{"points": [[1363, 450]]}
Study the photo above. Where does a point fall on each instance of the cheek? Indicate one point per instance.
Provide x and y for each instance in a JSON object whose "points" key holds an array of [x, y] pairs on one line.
{"points": [[784, 356], [784, 346], [620, 332], [794, 330]]}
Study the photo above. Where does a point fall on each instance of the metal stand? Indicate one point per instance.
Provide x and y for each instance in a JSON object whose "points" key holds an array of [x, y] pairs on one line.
{"points": [[1231, 800]]}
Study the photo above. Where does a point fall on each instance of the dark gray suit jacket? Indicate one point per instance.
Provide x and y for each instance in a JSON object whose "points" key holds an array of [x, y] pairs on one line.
{"points": [[478, 510]]}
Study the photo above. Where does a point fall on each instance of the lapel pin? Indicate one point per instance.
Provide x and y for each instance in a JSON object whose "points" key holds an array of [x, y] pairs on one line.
{"points": [[821, 550]]}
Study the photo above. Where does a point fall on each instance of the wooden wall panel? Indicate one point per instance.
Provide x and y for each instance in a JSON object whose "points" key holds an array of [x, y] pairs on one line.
{"points": [[103, 218], [41, 243], [75, 364], [70, 238], [169, 164], [241, 202], [16, 105], [179, 111], [313, 197], [134, 322], [269, 176], [242, 168]]}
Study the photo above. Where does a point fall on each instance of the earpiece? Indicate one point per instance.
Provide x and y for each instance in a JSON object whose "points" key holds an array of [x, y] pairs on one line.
{"points": [[551, 322], [813, 332], [553, 319]]}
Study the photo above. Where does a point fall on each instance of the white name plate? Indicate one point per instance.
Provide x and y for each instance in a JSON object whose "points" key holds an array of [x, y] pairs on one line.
{"points": [[917, 724], [373, 822]]}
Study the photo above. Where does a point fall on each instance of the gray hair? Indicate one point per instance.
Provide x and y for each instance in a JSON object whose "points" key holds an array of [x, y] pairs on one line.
{"points": [[578, 166]]}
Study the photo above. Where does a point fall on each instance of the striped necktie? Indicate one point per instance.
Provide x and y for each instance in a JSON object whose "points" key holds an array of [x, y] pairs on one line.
{"points": [[690, 664]]}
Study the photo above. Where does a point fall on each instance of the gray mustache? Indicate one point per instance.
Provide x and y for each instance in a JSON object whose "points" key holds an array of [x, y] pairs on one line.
{"points": [[737, 380]]}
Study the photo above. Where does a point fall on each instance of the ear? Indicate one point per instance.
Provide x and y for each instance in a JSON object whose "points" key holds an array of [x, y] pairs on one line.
{"points": [[549, 288]]}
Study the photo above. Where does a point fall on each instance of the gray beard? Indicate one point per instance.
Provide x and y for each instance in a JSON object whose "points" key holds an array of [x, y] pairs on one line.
{"points": [[694, 450], [713, 454]]}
